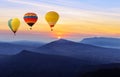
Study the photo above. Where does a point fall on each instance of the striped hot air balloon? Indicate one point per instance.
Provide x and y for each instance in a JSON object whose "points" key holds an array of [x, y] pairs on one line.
{"points": [[30, 19]]}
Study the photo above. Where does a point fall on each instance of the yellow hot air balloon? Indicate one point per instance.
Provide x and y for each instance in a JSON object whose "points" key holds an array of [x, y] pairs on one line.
{"points": [[52, 17], [14, 24]]}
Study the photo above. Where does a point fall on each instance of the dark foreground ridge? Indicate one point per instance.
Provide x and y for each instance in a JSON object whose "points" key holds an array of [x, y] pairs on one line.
{"points": [[115, 72], [30, 64]]}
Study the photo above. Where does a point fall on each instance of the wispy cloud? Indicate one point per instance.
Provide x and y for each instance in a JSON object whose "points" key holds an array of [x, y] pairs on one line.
{"points": [[69, 10]]}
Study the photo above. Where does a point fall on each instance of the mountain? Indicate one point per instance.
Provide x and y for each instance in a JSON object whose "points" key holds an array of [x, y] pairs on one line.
{"points": [[103, 42], [31, 64], [28, 43], [60, 58], [108, 70], [114, 72], [9, 48], [2, 58], [90, 53]]}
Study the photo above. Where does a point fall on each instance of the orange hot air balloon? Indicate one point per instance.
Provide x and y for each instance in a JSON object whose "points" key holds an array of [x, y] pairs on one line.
{"points": [[30, 19], [52, 18]]}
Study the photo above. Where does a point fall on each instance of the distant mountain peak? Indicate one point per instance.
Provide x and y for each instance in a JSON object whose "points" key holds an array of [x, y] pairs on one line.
{"points": [[59, 43], [26, 52], [103, 42], [63, 40], [102, 38]]}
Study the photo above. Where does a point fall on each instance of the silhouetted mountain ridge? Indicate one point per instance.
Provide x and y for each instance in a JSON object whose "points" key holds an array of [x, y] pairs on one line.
{"points": [[94, 54], [61, 42], [31, 64], [9, 48]]}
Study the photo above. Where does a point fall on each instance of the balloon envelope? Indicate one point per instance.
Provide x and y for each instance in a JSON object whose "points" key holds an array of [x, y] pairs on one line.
{"points": [[30, 18], [14, 24], [52, 17], [9, 24]]}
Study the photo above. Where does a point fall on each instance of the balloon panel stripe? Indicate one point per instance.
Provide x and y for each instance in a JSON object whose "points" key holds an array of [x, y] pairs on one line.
{"points": [[30, 14], [31, 21], [30, 17]]}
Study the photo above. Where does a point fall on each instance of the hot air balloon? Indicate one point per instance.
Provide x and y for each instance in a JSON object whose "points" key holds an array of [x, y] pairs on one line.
{"points": [[14, 24], [30, 19], [52, 17]]}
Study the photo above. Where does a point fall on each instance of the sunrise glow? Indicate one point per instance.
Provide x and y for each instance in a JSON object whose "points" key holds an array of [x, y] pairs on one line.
{"points": [[59, 37]]}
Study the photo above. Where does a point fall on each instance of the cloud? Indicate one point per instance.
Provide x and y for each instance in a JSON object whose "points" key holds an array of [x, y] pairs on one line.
{"points": [[51, 5], [29, 3]]}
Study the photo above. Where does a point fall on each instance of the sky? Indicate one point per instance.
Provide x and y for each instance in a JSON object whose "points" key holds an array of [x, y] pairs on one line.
{"points": [[78, 19]]}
